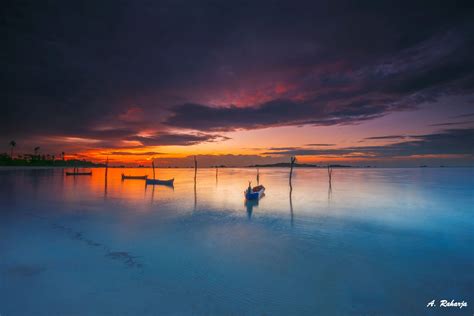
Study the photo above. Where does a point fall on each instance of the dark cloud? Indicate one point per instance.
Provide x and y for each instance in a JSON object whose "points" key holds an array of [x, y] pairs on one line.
{"points": [[448, 142], [387, 137], [162, 139], [130, 153], [272, 113], [320, 145], [464, 115], [452, 123], [282, 148], [70, 69]]}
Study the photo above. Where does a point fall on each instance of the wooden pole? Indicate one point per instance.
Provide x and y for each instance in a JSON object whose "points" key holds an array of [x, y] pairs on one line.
{"points": [[195, 167], [258, 177], [292, 163], [106, 166], [195, 175], [330, 174], [105, 180], [153, 166]]}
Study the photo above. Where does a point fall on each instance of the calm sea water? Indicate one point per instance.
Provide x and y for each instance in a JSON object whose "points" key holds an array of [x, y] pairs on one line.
{"points": [[378, 242]]}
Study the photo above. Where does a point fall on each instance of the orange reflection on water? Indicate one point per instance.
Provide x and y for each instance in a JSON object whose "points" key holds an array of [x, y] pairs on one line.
{"points": [[354, 193]]}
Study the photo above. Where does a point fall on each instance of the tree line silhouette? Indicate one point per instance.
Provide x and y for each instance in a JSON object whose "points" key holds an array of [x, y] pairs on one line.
{"points": [[39, 159]]}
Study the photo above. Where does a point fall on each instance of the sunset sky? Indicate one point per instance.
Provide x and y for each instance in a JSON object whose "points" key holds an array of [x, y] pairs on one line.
{"points": [[384, 83]]}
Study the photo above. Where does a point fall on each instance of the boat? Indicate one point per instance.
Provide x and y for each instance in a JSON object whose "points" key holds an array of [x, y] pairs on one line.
{"points": [[124, 177], [169, 182], [254, 193], [77, 173]]}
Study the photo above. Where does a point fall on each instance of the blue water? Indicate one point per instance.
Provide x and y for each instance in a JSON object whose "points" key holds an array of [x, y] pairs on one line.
{"points": [[377, 242]]}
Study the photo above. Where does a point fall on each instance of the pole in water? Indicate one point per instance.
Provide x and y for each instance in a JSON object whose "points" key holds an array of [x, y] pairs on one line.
{"points": [[195, 167], [258, 177], [330, 174], [106, 169], [106, 172], [153, 166], [292, 163], [195, 191]]}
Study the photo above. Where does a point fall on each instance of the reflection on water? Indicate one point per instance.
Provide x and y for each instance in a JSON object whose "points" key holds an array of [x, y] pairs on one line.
{"points": [[250, 204], [364, 241], [291, 203], [195, 191], [106, 180]]}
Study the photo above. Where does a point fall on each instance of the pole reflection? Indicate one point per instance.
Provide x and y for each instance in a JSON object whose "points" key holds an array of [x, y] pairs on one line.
{"points": [[195, 193], [291, 204]]}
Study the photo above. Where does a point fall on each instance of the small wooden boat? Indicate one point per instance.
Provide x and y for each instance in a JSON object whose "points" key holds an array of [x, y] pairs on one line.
{"points": [[254, 193], [125, 177], [169, 182], [77, 173], [154, 181]]}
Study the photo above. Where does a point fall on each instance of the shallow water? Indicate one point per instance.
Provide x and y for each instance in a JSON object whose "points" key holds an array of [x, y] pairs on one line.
{"points": [[378, 242]]}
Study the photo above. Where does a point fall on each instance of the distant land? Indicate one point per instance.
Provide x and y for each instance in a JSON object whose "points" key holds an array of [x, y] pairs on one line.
{"points": [[296, 165], [45, 161]]}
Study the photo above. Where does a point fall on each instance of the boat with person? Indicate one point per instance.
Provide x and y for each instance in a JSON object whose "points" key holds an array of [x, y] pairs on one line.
{"points": [[254, 193], [125, 177], [168, 182]]}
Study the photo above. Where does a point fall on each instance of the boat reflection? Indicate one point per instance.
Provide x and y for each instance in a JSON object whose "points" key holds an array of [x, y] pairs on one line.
{"points": [[250, 204]]}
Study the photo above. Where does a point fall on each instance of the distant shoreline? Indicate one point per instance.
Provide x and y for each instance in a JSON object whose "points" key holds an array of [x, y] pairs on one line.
{"points": [[39, 161], [243, 167], [47, 167]]}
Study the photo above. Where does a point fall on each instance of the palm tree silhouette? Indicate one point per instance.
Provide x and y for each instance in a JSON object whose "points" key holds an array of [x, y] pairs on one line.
{"points": [[12, 145], [36, 151]]}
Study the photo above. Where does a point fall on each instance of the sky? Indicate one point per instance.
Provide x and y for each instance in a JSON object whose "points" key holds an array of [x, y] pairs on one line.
{"points": [[380, 83]]}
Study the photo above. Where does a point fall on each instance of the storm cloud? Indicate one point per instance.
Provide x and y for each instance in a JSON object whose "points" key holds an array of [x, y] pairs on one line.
{"points": [[176, 139], [447, 142], [110, 70], [130, 153]]}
